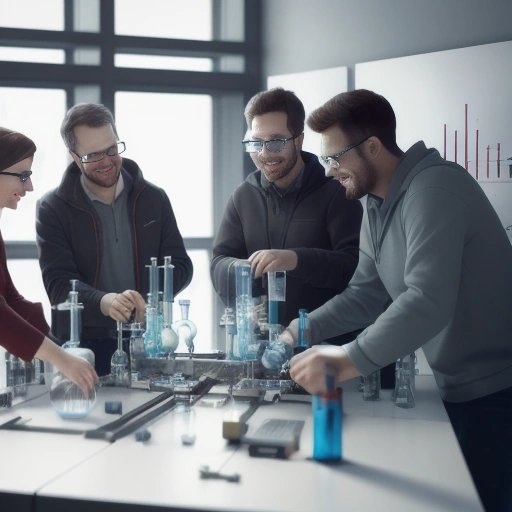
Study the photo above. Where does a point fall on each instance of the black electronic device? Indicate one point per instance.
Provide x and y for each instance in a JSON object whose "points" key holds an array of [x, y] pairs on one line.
{"points": [[275, 438]]}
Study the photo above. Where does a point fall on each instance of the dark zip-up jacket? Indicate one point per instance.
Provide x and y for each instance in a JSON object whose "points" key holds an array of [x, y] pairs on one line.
{"points": [[69, 243], [321, 226]]}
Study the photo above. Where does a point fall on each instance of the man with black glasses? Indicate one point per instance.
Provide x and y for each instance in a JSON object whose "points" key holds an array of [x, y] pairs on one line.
{"points": [[287, 215], [435, 271], [101, 226]]}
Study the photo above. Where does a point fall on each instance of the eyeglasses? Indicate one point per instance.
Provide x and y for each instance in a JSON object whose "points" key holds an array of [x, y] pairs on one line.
{"points": [[23, 176], [273, 145], [333, 161], [114, 150]]}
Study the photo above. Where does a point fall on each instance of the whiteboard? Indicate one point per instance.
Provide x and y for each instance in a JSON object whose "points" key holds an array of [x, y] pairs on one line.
{"points": [[313, 88]]}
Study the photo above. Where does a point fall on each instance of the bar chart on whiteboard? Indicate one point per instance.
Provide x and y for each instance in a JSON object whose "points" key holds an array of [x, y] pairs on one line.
{"points": [[457, 101]]}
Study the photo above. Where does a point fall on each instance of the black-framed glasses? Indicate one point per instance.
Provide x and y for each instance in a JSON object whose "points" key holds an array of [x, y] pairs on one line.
{"points": [[272, 145], [332, 162], [114, 150], [23, 176]]}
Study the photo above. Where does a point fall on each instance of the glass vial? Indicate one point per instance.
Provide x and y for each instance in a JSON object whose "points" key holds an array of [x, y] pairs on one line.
{"points": [[371, 386]]}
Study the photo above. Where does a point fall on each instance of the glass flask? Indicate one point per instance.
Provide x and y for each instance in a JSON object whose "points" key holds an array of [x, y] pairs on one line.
{"points": [[119, 361], [67, 398], [185, 328], [245, 322]]}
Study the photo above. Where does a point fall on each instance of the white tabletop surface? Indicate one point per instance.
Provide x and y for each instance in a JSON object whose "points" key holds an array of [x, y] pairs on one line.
{"points": [[394, 459]]}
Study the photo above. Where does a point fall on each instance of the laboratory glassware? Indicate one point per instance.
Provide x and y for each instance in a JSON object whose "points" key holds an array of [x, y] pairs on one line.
{"points": [[67, 398], [136, 349], [119, 361], [371, 386], [244, 311], [185, 328], [276, 293], [405, 371], [168, 336], [304, 330], [327, 423]]}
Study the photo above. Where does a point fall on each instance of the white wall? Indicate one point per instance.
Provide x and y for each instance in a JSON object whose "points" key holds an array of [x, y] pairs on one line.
{"points": [[304, 35]]}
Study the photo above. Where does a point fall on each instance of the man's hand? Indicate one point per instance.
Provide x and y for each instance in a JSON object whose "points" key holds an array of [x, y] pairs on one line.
{"points": [[119, 306], [272, 260], [309, 368]]}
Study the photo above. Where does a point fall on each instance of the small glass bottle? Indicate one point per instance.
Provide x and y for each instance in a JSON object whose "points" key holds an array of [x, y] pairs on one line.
{"points": [[403, 394], [328, 423], [304, 330], [371, 386], [136, 350], [185, 328]]}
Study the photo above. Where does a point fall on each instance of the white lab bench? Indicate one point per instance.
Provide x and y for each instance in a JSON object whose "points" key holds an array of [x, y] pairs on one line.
{"points": [[394, 459]]}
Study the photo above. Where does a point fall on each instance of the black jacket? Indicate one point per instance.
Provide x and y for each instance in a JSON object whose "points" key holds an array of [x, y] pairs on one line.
{"points": [[322, 228], [69, 243]]}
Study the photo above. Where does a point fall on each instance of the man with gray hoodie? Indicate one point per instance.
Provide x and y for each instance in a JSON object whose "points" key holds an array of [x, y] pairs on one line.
{"points": [[434, 271]]}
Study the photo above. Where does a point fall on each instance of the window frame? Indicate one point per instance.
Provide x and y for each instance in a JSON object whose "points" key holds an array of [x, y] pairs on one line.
{"points": [[230, 91]]}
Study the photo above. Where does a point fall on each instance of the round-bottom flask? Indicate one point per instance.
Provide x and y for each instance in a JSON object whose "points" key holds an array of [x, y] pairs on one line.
{"points": [[67, 398]]}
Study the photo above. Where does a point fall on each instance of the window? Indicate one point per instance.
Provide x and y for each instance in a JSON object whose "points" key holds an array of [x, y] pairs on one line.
{"points": [[47, 15], [170, 137], [37, 113], [176, 75]]}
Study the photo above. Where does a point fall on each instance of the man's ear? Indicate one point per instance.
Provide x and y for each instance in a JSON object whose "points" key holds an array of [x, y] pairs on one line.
{"points": [[374, 147], [75, 158]]}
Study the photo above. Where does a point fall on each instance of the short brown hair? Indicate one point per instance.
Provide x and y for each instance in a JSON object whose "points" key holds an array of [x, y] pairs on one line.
{"points": [[14, 147], [360, 113], [89, 114], [277, 100]]}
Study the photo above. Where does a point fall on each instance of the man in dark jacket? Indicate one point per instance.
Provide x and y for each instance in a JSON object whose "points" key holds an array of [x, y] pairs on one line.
{"points": [[101, 226], [287, 215]]}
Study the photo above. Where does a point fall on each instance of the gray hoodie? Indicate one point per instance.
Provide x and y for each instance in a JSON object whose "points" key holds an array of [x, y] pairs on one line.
{"points": [[435, 271]]}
